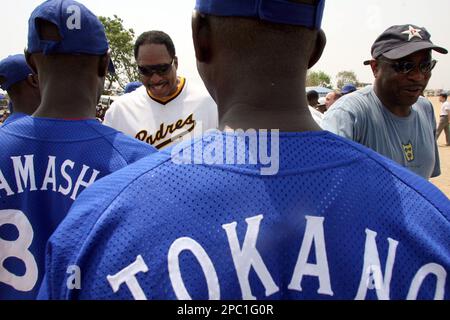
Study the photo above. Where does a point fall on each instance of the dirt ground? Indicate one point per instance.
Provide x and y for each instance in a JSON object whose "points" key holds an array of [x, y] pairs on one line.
{"points": [[443, 181]]}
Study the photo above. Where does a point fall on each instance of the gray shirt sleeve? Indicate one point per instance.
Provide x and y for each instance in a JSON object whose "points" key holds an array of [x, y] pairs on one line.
{"points": [[340, 122]]}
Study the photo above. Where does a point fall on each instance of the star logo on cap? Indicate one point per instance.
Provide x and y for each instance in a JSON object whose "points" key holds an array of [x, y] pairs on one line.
{"points": [[412, 32]]}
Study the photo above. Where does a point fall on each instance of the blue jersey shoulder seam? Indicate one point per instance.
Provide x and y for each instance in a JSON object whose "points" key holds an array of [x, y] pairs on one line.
{"points": [[376, 158]]}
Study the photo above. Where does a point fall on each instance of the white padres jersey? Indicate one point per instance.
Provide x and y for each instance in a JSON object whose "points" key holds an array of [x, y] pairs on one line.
{"points": [[161, 124]]}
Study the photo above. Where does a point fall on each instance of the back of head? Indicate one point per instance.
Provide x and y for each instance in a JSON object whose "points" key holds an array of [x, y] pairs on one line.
{"points": [[269, 42], [67, 45], [78, 30], [264, 35], [13, 70], [313, 97], [18, 80]]}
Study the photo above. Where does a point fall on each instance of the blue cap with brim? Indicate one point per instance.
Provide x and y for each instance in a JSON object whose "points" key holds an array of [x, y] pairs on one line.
{"points": [[132, 86], [13, 69], [276, 11], [348, 88], [80, 30]]}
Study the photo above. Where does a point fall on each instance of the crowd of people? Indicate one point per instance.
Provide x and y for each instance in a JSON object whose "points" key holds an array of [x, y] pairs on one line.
{"points": [[236, 191]]}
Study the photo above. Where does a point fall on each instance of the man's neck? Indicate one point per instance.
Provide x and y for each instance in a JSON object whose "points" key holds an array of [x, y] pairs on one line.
{"points": [[23, 107], [61, 102], [264, 104], [66, 108], [242, 116]]}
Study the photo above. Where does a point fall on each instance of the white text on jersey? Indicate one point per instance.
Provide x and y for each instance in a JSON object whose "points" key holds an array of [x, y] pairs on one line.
{"points": [[246, 256], [60, 180]]}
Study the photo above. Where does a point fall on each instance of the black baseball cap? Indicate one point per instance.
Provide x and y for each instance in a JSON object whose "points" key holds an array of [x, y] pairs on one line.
{"points": [[402, 40]]}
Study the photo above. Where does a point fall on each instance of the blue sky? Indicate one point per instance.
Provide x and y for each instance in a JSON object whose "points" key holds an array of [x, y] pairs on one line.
{"points": [[351, 27]]}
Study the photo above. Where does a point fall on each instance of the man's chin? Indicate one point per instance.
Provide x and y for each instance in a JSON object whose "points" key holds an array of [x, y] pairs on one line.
{"points": [[159, 92], [410, 100]]}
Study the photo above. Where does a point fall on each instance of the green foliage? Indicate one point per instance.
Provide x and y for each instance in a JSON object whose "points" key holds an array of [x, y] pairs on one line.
{"points": [[121, 42], [318, 79], [345, 77]]}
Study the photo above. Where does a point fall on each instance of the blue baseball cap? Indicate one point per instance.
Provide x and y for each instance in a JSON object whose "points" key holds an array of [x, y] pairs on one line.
{"points": [[80, 30], [132, 86], [348, 88], [14, 69], [276, 11]]}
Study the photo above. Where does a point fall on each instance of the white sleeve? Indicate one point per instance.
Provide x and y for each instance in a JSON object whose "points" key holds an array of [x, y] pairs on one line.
{"points": [[110, 115]]}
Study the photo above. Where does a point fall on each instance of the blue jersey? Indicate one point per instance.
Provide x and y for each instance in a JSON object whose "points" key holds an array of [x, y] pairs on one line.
{"points": [[13, 117], [44, 165], [337, 221]]}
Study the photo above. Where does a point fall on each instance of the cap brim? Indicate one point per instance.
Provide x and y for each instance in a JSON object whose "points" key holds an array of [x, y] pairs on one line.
{"points": [[411, 48]]}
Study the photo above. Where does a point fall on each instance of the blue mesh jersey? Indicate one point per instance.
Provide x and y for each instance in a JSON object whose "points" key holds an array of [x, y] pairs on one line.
{"points": [[337, 221], [44, 165]]}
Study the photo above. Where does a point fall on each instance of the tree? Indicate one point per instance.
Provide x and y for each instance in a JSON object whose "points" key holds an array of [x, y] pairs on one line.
{"points": [[345, 77], [318, 79], [121, 42]]}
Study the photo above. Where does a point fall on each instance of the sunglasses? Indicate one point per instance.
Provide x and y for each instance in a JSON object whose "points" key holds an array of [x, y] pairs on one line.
{"points": [[159, 69], [406, 67]]}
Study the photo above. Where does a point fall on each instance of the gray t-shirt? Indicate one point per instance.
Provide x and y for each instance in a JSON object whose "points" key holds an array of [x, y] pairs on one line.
{"points": [[409, 141]]}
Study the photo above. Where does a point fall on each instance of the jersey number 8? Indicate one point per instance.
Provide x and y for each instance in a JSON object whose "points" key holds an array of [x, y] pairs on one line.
{"points": [[19, 249]]}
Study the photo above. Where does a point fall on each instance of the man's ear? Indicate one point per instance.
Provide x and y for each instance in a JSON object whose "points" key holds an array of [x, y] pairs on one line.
{"points": [[30, 61], [375, 67], [321, 41], [201, 34], [103, 65], [33, 80]]}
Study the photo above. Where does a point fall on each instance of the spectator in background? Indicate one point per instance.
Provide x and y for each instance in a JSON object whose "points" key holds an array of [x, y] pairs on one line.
{"points": [[100, 112], [444, 116], [392, 117], [132, 86], [322, 106], [313, 98], [348, 88], [22, 86], [331, 98], [313, 102], [4, 114]]}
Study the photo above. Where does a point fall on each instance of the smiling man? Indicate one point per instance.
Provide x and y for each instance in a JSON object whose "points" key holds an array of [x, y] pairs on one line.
{"points": [[391, 117], [166, 108]]}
